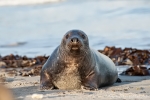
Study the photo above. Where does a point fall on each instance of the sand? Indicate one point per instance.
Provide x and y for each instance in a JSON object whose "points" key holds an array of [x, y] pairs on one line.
{"points": [[131, 88]]}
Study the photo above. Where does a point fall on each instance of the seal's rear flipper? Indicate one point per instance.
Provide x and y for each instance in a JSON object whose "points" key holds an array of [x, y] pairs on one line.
{"points": [[118, 80]]}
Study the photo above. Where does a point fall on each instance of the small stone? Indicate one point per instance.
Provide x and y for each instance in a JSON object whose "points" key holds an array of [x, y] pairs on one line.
{"points": [[125, 89], [37, 96]]}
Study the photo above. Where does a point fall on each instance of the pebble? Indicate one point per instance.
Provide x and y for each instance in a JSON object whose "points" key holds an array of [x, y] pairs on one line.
{"points": [[37, 96]]}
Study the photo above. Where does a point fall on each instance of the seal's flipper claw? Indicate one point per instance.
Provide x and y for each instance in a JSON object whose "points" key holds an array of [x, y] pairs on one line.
{"points": [[90, 88], [44, 87], [118, 80]]}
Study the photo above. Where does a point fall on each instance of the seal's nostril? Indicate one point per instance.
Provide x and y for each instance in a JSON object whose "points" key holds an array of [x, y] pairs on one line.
{"points": [[77, 40], [74, 40], [71, 40]]}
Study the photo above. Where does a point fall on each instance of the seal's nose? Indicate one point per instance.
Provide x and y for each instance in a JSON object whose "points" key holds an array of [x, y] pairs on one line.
{"points": [[75, 40]]}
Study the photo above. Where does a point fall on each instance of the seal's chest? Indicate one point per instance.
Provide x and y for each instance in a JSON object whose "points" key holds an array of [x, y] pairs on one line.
{"points": [[69, 78]]}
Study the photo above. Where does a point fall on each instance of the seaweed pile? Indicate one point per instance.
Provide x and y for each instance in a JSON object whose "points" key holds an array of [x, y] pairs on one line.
{"points": [[18, 65], [24, 66], [137, 59]]}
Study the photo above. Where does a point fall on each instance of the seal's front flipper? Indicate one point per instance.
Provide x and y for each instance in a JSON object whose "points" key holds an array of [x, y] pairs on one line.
{"points": [[90, 82], [46, 86], [89, 88], [45, 82], [118, 80]]}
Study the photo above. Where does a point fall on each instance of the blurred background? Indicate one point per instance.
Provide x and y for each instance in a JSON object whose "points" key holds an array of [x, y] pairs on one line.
{"points": [[36, 27]]}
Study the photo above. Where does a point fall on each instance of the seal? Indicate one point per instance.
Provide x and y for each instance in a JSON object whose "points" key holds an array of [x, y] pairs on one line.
{"points": [[74, 65]]}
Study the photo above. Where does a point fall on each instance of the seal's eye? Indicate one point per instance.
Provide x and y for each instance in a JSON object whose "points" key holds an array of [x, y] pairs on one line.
{"points": [[83, 36], [67, 36]]}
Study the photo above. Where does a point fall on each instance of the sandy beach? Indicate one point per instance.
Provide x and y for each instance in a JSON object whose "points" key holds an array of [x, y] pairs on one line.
{"points": [[30, 30], [131, 88]]}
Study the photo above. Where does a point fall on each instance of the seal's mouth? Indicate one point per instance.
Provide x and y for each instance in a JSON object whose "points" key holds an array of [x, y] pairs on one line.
{"points": [[75, 47]]}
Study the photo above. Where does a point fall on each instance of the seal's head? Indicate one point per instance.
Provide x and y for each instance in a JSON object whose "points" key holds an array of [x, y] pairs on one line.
{"points": [[75, 42]]}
